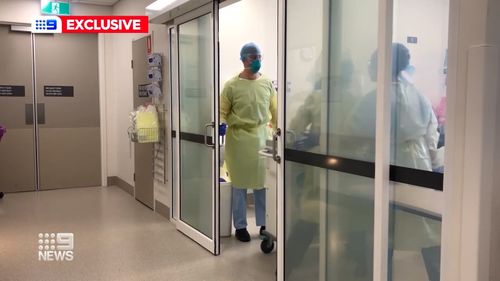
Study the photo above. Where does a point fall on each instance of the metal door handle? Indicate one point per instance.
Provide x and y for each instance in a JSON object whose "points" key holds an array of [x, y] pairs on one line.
{"points": [[276, 157], [40, 113], [28, 114], [206, 135]]}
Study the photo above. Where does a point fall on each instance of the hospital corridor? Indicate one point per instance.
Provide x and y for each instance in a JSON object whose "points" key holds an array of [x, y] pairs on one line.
{"points": [[250, 140], [116, 239]]}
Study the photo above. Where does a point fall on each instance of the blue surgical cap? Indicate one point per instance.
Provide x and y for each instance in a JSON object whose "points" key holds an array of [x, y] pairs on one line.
{"points": [[249, 49]]}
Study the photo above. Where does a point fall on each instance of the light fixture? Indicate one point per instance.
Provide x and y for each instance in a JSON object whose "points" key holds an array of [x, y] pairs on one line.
{"points": [[159, 5]]}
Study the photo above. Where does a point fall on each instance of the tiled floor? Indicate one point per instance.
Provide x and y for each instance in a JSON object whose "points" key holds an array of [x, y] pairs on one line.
{"points": [[115, 238]]}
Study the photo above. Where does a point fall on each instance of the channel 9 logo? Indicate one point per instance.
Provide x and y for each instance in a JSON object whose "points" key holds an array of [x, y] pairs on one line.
{"points": [[46, 24], [90, 24], [55, 246]]}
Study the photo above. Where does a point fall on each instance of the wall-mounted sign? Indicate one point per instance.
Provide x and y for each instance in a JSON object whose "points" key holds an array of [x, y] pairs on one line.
{"points": [[54, 7], [143, 91], [412, 40], [11, 91], [58, 91]]}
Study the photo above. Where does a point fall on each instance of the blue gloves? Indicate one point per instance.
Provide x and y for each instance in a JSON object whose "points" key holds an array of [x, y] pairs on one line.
{"points": [[222, 129], [306, 141]]}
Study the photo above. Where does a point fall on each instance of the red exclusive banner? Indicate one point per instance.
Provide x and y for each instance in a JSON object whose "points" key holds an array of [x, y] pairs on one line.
{"points": [[104, 24]]}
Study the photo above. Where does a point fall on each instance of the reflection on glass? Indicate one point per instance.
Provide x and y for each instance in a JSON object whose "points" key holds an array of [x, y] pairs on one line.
{"points": [[330, 110], [414, 125], [414, 244], [330, 104], [302, 247], [421, 84], [340, 205], [349, 227], [196, 187]]}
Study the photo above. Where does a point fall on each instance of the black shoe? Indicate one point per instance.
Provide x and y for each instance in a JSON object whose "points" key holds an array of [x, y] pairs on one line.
{"points": [[242, 235], [262, 228]]}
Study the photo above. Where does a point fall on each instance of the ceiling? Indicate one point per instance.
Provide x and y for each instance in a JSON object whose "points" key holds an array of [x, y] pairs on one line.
{"points": [[95, 2]]}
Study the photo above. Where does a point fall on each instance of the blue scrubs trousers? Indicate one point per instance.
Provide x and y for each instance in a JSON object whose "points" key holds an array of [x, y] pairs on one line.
{"points": [[239, 196]]}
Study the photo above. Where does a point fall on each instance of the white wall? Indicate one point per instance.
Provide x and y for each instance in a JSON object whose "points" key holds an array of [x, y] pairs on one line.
{"points": [[23, 11], [119, 97], [119, 94], [428, 54], [470, 165], [248, 21], [494, 35]]}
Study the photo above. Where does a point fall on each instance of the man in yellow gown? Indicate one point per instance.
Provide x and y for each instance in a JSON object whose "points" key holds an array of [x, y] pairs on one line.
{"points": [[248, 103]]}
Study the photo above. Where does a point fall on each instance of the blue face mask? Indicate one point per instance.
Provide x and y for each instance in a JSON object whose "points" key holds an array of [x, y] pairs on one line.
{"points": [[255, 66]]}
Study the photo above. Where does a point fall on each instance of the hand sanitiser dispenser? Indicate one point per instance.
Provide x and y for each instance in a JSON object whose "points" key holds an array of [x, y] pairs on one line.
{"points": [[154, 59], [154, 75]]}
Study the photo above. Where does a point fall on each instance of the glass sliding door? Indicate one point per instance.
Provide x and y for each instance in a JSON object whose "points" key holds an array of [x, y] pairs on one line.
{"points": [[197, 144], [332, 213], [420, 66], [173, 119], [330, 139]]}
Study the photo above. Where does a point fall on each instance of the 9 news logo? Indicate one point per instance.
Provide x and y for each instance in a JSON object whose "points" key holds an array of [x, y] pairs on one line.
{"points": [[90, 24], [46, 24], [56, 246]]}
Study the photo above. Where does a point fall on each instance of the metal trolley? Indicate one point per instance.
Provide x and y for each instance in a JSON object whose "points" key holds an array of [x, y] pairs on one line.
{"points": [[269, 235]]}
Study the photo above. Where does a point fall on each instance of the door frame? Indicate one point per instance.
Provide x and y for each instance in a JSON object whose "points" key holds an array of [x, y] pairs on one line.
{"points": [[212, 245], [382, 180]]}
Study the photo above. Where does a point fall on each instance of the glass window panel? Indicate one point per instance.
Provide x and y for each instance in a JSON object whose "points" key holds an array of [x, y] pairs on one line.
{"points": [[196, 187], [195, 68], [330, 110], [349, 231], [329, 224], [196, 103], [419, 83], [415, 234], [306, 74], [302, 225], [330, 99], [419, 72]]}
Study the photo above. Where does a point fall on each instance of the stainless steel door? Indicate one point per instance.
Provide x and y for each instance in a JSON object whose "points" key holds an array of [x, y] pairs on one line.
{"points": [[68, 88]]}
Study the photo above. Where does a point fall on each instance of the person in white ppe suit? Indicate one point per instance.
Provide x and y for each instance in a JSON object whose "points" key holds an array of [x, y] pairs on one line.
{"points": [[414, 138], [247, 104], [414, 134]]}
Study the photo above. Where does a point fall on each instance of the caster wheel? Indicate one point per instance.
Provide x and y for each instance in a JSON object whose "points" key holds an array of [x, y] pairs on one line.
{"points": [[266, 246]]}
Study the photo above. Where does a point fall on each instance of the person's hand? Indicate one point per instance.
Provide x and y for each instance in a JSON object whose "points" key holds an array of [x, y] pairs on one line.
{"points": [[2, 131], [307, 141], [222, 129]]}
